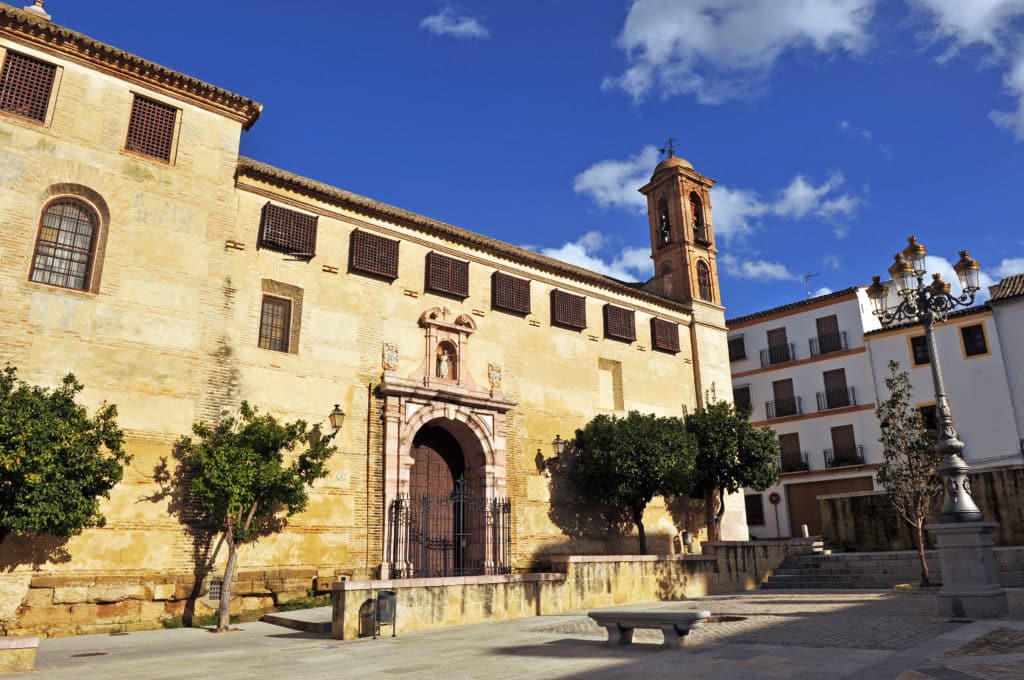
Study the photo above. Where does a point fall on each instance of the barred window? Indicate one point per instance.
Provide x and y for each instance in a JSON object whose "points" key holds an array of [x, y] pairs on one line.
{"points": [[373, 254], [510, 293], [288, 230], [737, 349], [151, 128], [664, 335], [25, 86], [741, 397], [755, 509], [619, 323], [275, 323], [446, 275], [568, 310], [64, 248]]}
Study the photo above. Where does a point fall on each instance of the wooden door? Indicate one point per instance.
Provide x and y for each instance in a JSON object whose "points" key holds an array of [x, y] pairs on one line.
{"points": [[789, 450], [836, 394], [844, 445], [778, 346], [802, 500], [785, 401], [828, 334]]}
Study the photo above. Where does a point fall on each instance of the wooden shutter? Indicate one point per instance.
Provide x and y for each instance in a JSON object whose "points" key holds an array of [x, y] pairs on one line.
{"points": [[777, 337], [510, 293], [664, 335], [789, 444], [835, 380], [151, 128], [447, 275], [568, 310], [288, 230], [373, 254], [783, 389], [25, 86], [827, 325], [843, 438], [619, 323]]}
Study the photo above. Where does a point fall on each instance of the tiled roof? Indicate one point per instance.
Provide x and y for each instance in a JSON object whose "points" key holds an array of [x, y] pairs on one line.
{"points": [[329, 194], [791, 306], [1010, 287], [968, 311], [30, 29]]}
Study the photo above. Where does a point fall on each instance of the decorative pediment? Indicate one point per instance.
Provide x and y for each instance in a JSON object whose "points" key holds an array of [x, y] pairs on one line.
{"points": [[442, 317]]}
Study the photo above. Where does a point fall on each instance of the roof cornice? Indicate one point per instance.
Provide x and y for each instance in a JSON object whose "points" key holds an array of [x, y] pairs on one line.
{"points": [[252, 169], [37, 32]]}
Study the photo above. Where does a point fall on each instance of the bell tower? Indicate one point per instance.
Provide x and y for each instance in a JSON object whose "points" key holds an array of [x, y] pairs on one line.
{"points": [[682, 234]]}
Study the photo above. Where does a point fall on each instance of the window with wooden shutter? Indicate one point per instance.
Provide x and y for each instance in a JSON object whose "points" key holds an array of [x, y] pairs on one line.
{"points": [[288, 230], [446, 275], [373, 254], [275, 323], [151, 128], [737, 348], [25, 86], [664, 335], [568, 310], [619, 323], [510, 293]]}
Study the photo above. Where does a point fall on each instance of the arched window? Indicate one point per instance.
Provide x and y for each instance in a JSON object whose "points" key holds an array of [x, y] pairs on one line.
{"points": [[704, 281], [65, 246], [664, 223], [697, 213]]}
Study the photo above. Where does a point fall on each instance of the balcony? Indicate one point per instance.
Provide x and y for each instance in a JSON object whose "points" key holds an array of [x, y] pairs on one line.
{"points": [[838, 398], [846, 456], [793, 462], [780, 408], [826, 344], [779, 354]]}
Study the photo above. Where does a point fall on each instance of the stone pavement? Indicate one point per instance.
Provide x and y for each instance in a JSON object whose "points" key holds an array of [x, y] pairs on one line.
{"points": [[762, 634]]}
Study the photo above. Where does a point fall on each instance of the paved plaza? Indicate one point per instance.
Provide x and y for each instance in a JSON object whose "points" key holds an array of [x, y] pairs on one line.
{"points": [[802, 634]]}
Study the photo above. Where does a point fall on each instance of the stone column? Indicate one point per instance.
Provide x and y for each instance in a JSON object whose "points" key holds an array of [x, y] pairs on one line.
{"points": [[970, 589]]}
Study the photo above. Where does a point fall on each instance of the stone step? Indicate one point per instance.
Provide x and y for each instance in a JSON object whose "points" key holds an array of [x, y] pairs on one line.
{"points": [[315, 620]]}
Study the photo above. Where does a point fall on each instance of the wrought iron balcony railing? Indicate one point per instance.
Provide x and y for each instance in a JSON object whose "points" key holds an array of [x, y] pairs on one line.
{"points": [[839, 398], [780, 408], [824, 344], [778, 354], [793, 462], [846, 456]]}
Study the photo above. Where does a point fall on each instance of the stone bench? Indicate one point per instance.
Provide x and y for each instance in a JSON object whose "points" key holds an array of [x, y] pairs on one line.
{"points": [[620, 624], [18, 654]]}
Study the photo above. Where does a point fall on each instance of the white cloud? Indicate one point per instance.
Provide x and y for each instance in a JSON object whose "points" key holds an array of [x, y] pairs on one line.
{"points": [[1009, 267], [993, 25], [942, 266], [759, 270], [450, 22], [630, 264], [821, 291], [614, 183], [831, 261], [848, 127], [718, 50]]}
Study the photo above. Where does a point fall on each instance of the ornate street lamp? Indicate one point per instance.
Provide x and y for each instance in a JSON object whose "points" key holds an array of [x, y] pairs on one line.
{"points": [[558, 445], [931, 304], [337, 418]]}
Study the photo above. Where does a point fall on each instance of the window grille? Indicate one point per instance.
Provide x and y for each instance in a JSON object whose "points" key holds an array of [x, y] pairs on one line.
{"points": [[151, 128], [510, 293], [373, 254], [288, 230], [741, 397], [919, 351], [974, 340], [568, 310], [619, 323], [664, 335], [275, 323], [447, 275], [737, 348], [216, 588], [25, 86], [63, 254]]}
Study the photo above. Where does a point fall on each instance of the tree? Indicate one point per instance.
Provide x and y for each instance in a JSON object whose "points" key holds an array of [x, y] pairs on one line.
{"points": [[238, 479], [730, 454], [622, 463], [55, 461], [911, 460]]}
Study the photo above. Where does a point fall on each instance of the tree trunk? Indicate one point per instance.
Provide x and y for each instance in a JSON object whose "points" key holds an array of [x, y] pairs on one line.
{"points": [[224, 614], [919, 525], [711, 514], [638, 519]]}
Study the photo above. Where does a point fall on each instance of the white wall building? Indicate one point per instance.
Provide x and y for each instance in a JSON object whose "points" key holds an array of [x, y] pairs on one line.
{"points": [[1007, 304]]}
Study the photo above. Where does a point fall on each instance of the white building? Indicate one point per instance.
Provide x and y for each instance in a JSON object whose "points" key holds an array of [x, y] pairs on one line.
{"points": [[814, 372]]}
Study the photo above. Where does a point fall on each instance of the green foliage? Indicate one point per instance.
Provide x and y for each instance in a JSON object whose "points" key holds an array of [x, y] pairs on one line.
{"points": [[622, 463], [55, 461], [730, 454], [308, 602], [911, 461]]}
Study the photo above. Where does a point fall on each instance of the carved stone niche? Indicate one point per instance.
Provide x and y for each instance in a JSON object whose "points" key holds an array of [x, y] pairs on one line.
{"points": [[447, 345]]}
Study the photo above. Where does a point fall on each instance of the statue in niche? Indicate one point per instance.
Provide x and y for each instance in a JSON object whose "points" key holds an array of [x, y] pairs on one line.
{"points": [[446, 361]]}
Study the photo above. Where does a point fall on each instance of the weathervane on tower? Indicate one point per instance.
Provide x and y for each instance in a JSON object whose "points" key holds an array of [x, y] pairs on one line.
{"points": [[670, 147]]}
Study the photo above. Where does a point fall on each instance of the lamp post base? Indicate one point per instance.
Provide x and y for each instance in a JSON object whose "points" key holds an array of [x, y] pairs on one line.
{"points": [[970, 589]]}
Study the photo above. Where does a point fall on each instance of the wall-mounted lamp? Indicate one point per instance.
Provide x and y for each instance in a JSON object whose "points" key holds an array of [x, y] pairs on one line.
{"points": [[558, 445], [337, 418]]}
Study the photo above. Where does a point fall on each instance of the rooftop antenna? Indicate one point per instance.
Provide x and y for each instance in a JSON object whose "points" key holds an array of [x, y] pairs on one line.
{"points": [[807, 279]]}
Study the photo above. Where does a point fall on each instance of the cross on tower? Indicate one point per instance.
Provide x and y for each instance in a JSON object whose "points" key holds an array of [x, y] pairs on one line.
{"points": [[670, 147]]}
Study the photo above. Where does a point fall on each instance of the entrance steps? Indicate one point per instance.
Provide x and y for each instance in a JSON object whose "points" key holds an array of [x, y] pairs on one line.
{"points": [[315, 620], [852, 570]]}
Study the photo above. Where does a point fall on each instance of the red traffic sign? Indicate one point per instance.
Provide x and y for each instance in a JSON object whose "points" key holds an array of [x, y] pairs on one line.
{"points": [[774, 498]]}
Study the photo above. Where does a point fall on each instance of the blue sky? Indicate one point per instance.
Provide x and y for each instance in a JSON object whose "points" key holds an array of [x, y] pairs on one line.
{"points": [[835, 128]]}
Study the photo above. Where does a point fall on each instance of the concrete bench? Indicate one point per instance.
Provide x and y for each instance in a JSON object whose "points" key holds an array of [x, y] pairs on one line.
{"points": [[18, 654], [620, 624]]}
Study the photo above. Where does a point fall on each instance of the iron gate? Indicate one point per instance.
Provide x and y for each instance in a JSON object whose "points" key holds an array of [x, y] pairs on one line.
{"points": [[454, 534]]}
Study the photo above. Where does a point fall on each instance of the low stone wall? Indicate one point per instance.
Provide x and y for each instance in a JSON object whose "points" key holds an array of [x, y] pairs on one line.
{"points": [[864, 521], [54, 605], [578, 582]]}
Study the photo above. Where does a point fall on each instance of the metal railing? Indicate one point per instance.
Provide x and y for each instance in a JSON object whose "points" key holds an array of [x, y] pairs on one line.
{"points": [[793, 462], [846, 456], [778, 354], [780, 408], [824, 344], [837, 398]]}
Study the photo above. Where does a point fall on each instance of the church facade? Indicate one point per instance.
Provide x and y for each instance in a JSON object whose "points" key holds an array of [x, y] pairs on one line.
{"points": [[176, 279]]}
